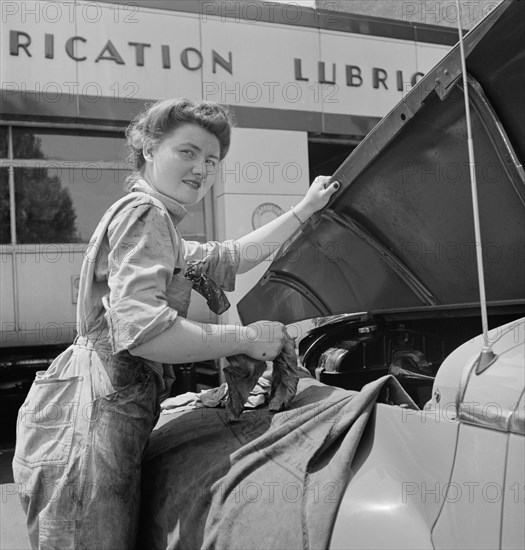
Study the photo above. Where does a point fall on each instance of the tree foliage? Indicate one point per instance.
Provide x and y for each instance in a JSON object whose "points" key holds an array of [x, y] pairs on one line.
{"points": [[44, 209]]}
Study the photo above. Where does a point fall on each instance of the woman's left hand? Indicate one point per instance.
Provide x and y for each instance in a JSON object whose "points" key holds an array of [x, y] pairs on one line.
{"points": [[318, 195]]}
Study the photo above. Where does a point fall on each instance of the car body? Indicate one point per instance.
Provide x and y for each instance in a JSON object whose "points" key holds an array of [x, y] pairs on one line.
{"points": [[449, 476], [388, 271]]}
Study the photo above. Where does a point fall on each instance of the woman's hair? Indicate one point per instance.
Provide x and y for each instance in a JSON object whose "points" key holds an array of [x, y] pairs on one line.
{"points": [[161, 118]]}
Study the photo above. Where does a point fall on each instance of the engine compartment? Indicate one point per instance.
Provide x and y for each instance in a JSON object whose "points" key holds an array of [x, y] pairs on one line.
{"points": [[353, 353]]}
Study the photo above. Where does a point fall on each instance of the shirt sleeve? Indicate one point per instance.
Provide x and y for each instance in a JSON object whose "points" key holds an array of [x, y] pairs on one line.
{"points": [[141, 263], [221, 260]]}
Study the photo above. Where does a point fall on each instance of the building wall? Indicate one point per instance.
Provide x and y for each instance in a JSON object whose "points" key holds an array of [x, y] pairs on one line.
{"points": [[289, 73]]}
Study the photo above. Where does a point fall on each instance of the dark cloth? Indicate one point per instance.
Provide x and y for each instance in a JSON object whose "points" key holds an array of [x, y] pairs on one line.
{"points": [[243, 373], [215, 297], [269, 481]]}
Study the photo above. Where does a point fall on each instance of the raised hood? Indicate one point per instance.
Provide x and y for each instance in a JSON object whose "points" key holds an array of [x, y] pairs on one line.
{"points": [[400, 233]]}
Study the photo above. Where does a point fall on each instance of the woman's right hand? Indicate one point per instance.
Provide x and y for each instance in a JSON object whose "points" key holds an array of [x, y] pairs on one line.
{"points": [[264, 340]]}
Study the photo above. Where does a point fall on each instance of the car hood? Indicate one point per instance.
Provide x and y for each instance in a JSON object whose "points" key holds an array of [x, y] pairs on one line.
{"points": [[399, 233]]}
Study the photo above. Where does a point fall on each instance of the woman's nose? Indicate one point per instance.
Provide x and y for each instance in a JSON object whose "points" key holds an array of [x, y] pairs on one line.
{"points": [[198, 168]]}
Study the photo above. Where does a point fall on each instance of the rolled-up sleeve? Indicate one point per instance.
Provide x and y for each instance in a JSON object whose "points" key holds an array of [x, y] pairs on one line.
{"points": [[141, 263], [220, 260]]}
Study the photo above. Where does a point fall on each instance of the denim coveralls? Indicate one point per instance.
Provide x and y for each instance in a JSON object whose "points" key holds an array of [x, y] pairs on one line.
{"points": [[85, 423]]}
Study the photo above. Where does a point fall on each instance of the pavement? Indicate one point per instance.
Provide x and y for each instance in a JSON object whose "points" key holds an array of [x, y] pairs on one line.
{"points": [[13, 534]]}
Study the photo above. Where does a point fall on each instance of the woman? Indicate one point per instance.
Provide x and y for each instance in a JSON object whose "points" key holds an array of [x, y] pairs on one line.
{"points": [[86, 421]]}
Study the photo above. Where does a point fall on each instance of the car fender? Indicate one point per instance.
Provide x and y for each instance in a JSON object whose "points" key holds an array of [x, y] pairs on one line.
{"points": [[398, 480]]}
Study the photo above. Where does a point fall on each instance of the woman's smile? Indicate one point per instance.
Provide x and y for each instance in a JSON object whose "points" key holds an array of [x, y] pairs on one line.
{"points": [[194, 184]]}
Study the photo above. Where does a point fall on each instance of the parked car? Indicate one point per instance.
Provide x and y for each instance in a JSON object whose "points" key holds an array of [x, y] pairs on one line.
{"points": [[388, 274]]}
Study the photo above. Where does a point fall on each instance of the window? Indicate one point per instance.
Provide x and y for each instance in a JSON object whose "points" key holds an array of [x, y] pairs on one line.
{"points": [[5, 218], [63, 182], [3, 142], [327, 153], [63, 204], [68, 145]]}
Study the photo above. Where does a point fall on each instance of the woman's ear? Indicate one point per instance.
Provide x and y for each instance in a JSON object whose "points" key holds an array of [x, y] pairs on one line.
{"points": [[147, 150]]}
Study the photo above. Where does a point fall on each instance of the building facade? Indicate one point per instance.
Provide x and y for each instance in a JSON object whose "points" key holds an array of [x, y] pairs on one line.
{"points": [[305, 85]]}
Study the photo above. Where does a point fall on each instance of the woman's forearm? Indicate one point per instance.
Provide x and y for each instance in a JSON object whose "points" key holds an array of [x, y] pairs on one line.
{"points": [[259, 244], [188, 341]]}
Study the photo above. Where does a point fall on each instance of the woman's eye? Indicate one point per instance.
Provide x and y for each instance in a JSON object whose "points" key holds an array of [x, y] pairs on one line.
{"points": [[188, 153], [211, 163]]}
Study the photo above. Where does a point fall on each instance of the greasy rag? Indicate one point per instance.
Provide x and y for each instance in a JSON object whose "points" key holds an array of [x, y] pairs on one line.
{"points": [[271, 480], [243, 373]]}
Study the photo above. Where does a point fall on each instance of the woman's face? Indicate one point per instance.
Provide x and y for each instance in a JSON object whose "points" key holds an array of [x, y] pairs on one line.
{"points": [[184, 164]]}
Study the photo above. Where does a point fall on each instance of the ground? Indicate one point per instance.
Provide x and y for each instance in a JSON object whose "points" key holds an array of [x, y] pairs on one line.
{"points": [[13, 535]]}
